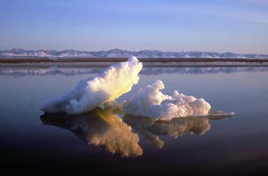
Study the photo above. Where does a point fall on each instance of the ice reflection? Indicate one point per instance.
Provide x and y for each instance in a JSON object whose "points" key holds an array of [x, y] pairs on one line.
{"points": [[151, 130], [101, 127]]}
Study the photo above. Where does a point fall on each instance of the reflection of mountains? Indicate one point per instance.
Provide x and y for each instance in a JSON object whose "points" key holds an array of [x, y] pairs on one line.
{"points": [[199, 70], [101, 127], [35, 71], [147, 70]]}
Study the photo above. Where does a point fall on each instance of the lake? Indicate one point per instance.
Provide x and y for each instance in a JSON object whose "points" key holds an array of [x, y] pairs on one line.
{"points": [[103, 142]]}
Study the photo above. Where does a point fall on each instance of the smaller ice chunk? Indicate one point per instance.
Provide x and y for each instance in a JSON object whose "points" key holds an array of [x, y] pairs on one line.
{"points": [[151, 102]]}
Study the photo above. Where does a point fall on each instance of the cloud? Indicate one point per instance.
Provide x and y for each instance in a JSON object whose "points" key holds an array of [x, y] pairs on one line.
{"points": [[256, 17], [229, 10], [256, 2]]}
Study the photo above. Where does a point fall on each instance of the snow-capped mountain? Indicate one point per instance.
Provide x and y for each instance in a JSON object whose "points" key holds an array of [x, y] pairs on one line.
{"points": [[118, 53]]}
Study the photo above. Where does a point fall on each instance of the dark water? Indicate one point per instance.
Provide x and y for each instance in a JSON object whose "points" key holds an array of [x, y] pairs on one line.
{"points": [[101, 142]]}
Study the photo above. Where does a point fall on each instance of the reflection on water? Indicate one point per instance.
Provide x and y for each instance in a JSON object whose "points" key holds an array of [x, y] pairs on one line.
{"points": [[157, 70], [101, 127], [151, 130]]}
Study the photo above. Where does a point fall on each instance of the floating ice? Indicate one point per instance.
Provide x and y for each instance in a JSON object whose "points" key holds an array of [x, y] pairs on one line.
{"points": [[119, 79], [107, 86], [151, 102], [220, 114]]}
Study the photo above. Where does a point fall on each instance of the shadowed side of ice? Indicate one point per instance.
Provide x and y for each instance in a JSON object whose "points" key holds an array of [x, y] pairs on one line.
{"points": [[116, 80], [99, 127]]}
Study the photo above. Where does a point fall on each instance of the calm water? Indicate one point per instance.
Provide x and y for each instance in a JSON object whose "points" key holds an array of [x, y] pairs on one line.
{"points": [[85, 144]]}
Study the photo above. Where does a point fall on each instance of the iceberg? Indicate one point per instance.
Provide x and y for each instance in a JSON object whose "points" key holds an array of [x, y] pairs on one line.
{"points": [[116, 80]]}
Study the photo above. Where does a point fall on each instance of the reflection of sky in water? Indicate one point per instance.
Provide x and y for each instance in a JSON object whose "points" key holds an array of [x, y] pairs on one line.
{"points": [[237, 141]]}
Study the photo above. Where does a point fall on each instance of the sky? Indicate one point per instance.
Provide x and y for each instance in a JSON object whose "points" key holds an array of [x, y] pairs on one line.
{"points": [[239, 26]]}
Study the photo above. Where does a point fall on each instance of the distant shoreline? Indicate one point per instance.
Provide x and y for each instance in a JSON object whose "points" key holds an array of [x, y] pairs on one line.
{"points": [[15, 60], [147, 62]]}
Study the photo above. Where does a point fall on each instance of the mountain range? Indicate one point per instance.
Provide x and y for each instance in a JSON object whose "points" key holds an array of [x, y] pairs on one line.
{"points": [[118, 53]]}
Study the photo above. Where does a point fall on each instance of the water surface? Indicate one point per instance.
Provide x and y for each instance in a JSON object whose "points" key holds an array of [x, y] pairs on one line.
{"points": [[102, 142]]}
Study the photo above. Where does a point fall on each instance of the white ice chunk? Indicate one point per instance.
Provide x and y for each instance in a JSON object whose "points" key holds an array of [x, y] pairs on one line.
{"points": [[116, 80], [151, 102]]}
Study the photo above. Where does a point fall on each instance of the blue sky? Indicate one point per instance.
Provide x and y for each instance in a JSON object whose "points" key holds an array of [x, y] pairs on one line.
{"points": [[239, 26]]}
